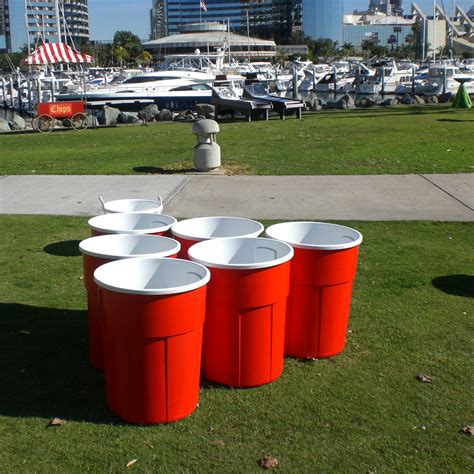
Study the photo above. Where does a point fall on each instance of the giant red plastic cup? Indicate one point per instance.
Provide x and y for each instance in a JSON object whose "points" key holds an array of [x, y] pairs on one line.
{"points": [[191, 231], [132, 205], [97, 251], [131, 223], [322, 275], [244, 330], [153, 310]]}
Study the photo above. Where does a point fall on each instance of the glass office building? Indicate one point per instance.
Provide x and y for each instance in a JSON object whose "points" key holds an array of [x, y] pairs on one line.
{"points": [[276, 19], [388, 7], [377, 34], [42, 20], [5, 36], [323, 19]]}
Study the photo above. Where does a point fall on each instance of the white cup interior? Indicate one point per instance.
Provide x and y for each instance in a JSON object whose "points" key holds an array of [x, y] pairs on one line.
{"points": [[151, 276], [115, 246], [317, 235], [241, 253], [133, 205], [131, 223], [202, 228]]}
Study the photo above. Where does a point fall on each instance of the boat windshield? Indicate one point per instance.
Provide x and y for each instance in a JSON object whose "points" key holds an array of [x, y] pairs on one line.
{"points": [[140, 79]]}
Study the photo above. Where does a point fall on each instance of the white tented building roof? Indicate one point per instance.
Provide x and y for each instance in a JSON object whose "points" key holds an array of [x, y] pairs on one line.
{"points": [[188, 42]]}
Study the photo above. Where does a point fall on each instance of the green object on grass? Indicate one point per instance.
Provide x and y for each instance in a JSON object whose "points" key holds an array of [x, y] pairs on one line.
{"points": [[462, 99]]}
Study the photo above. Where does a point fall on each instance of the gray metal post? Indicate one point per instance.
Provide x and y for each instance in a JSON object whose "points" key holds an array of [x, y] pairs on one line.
{"points": [[39, 90], [4, 92], [28, 84], [445, 81], [358, 79], [12, 101], [295, 82], [383, 79], [334, 76], [20, 98], [52, 87], [413, 80]]}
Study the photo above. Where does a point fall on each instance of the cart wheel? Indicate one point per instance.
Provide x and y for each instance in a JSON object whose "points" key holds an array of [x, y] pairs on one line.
{"points": [[79, 121], [45, 123]]}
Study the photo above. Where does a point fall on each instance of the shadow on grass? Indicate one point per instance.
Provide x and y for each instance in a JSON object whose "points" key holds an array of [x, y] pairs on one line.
{"points": [[459, 285], [382, 113], [45, 367], [65, 248], [154, 170], [455, 120]]}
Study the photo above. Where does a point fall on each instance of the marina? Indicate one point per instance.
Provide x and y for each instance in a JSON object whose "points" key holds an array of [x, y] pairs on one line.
{"points": [[182, 82]]}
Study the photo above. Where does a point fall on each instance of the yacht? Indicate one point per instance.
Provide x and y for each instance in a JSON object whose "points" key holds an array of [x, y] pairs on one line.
{"points": [[169, 89], [442, 79], [386, 80], [307, 76]]}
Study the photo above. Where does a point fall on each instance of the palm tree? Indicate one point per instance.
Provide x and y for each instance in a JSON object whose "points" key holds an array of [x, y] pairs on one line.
{"points": [[144, 58], [120, 54], [347, 49], [391, 41]]}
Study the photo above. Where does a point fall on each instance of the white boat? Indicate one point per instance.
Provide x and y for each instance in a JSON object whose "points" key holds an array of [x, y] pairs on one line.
{"points": [[442, 79], [169, 89], [307, 76], [386, 80]]}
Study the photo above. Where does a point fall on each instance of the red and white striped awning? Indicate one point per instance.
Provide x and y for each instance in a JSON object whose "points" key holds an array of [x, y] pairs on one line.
{"points": [[52, 53]]}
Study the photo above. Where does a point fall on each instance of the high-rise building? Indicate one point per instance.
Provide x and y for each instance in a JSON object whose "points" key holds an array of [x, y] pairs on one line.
{"points": [[158, 20], [5, 34], [387, 7], [276, 19], [323, 19], [57, 20]]}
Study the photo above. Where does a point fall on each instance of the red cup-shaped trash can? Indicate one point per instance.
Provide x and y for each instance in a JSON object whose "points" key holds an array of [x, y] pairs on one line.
{"points": [[132, 205], [245, 317], [131, 223], [153, 310], [191, 231], [322, 275], [97, 251]]}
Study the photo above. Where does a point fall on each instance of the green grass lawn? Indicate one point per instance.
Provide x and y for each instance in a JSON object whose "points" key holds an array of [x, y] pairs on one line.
{"points": [[423, 139], [363, 411]]}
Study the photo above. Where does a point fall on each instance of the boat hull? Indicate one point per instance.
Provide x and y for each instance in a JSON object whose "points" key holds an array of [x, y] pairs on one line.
{"points": [[171, 100]]}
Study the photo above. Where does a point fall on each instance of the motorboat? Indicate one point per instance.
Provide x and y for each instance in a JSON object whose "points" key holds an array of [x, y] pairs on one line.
{"points": [[307, 75], [441, 79], [385, 81], [334, 82], [227, 97], [282, 105], [169, 89]]}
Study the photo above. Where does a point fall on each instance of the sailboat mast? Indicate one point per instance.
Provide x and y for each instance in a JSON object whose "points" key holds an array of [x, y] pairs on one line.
{"points": [[434, 31], [58, 19], [27, 27], [248, 35], [228, 34]]}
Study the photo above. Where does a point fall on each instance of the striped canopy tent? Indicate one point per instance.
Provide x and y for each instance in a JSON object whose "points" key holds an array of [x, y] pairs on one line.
{"points": [[53, 53]]}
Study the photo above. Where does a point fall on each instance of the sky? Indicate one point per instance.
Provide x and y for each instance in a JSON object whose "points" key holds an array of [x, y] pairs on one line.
{"points": [[137, 19], [108, 16]]}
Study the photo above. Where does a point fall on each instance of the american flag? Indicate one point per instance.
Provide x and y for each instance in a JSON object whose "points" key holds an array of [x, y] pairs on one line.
{"points": [[202, 5]]}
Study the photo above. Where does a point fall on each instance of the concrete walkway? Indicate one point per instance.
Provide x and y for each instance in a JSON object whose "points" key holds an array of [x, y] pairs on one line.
{"points": [[386, 197]]}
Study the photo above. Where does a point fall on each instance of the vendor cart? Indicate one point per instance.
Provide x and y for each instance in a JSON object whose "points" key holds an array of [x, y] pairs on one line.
{"points": [[70, 113]]}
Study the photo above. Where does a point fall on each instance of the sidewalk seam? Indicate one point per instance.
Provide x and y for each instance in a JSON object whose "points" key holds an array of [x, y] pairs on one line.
{"points": [[178, 188], [446, 192]]}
